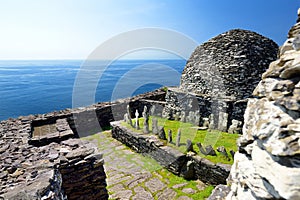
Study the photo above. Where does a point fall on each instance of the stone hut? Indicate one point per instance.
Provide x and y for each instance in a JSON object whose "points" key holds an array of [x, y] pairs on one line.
{"points": [[219, 77]]}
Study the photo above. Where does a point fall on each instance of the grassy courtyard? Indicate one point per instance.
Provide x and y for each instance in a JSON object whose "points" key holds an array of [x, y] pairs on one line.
{"points": [[189, 131]]}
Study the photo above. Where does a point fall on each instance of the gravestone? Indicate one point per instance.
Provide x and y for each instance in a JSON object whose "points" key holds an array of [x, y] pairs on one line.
{"points": [[154, 126], [223, 151], [183, 117], [210, 150], [232, 153], [189, 145], [129, 116], [170, 136], [178, 137], [161, 133], [126, 118], [201, 149], [146, 120]]}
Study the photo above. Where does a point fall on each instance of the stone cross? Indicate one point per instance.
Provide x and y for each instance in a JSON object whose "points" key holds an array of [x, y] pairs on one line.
{"points": [[146, 120], [137, 125], [178, 137]]}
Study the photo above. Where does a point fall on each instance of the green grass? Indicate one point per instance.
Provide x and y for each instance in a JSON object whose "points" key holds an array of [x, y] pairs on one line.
{"points": [[189, 131]]}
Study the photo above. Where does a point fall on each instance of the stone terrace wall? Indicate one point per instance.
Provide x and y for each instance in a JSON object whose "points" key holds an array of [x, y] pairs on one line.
{"points": [[267, 165], [170, 158]]}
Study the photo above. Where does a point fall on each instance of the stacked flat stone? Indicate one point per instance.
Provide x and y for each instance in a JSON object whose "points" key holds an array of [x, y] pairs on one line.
{"points": [[267, 164]]}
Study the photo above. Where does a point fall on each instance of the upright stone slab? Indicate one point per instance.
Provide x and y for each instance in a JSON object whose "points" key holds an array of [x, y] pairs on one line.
{"points": [[129, 115], [161, 133], [154, 126], [146, 120], [178, 138], [170, 136]]}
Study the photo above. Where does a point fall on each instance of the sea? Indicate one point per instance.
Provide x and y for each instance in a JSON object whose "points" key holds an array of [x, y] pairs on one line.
{"points": [[42, 86]]}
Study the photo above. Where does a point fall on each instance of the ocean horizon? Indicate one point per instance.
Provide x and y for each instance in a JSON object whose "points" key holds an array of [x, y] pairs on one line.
{"points": [[42, 86]]}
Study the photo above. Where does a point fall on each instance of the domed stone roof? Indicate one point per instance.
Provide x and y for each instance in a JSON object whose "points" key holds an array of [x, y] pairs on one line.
{"points": [[230, 64]]}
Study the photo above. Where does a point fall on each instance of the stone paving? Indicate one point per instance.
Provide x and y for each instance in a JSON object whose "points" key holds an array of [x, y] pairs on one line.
{"points": [[132, 176]]}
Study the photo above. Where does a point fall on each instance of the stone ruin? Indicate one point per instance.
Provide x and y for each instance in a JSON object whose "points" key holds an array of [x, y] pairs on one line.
{"points": [[41, 159], [267, 165], [218, 78]]}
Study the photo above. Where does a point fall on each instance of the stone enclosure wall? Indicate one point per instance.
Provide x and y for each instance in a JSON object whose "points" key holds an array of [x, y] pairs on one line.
{"points": [[170, 158], [267, 165], [42, 159]]}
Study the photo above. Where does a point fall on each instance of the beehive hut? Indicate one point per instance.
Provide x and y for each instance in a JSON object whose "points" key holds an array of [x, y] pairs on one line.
{"points": [[219, 77]]}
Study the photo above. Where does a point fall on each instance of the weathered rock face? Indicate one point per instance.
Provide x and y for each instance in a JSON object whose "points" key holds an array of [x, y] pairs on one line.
{"points": [[267, 165], [229, 64], [219, 77]]}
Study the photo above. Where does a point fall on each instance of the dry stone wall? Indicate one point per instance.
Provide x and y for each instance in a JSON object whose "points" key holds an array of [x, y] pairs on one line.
{"points": [[267, 165]]}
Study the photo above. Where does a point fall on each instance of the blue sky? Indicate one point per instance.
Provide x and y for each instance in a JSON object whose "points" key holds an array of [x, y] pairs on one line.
{"points": [[72, 29]]}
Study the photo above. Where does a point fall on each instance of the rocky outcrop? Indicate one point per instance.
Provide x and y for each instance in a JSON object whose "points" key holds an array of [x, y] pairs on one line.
{"points": [[219, 77], [267, 165]]}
